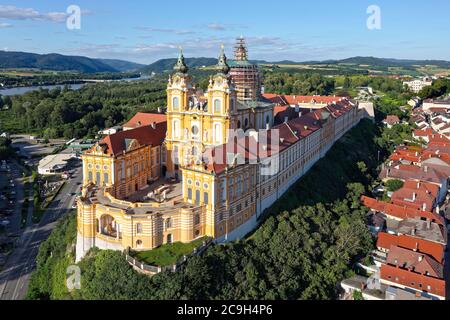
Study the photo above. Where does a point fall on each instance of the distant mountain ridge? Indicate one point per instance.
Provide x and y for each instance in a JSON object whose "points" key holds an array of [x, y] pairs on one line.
{"points": [[59, 62], [384, 62], [167, 64], [163, 65], [122, 65]]}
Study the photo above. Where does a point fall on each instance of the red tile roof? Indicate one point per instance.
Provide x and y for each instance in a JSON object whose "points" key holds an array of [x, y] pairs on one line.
{"points": [[415, 262], [145, 136], [423, 133], [435, 250], [391, 120], [417, 195], [145, 119], [283, 100], [413, 280], [404, 172], [400, 212]]}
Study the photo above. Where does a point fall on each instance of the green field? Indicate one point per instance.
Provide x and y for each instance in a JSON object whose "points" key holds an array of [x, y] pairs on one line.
{"points": [[348, 68]]}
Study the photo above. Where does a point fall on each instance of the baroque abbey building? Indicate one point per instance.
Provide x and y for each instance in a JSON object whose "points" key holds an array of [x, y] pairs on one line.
{"points": [[210, 165]]}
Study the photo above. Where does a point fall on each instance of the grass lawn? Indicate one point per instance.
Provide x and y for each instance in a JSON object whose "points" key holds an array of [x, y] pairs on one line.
{"points": [[167, 254]]}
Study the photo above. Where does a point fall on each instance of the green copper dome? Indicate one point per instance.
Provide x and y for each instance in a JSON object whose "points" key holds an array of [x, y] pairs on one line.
{"points": [[180, 66], [222, 65]]}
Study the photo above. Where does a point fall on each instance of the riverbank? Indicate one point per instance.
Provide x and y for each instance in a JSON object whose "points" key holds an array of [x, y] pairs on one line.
{"points": [[74, 84]]}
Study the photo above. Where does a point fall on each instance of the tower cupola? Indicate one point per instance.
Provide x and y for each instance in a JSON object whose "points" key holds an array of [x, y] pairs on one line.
{"points": [[180, 66], [222, 65]]}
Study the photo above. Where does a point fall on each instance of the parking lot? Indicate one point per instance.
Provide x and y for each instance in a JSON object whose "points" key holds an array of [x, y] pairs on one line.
{"points": [[10, 202], [34, 149]]}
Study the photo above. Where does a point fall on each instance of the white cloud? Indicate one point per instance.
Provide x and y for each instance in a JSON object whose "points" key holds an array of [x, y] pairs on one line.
{"points": [[216, 26], [15, 13], [5, 25], [162, 30]]}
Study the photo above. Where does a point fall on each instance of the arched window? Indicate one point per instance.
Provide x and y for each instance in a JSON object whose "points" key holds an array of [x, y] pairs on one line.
{"points": [[168, 223], [239, 124], [139, 243], [176, 103], [217, 133], [139, 228], [176, 128], [268, 120], [246, 122], [169, 238], [217, 106]]}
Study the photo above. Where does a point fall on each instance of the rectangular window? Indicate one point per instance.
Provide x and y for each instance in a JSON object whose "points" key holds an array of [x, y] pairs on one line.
{"points": [[105, 178], [197, 197], [206, 198], [90, 178], [190, 194]]}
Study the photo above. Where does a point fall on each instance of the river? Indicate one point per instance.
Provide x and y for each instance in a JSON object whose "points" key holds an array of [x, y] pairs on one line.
{"points": [[21, 90]]}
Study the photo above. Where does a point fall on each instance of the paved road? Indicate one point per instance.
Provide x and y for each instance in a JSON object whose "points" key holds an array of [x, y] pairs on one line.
{"points": [[15, 277]]}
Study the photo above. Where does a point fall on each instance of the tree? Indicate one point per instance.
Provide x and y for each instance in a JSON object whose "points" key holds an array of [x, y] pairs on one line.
{"points": [[347, 83], [357, 295], [394, 185]]}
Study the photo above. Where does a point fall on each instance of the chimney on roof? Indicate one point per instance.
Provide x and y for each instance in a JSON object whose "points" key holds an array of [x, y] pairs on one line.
{"points": [[425, 169], [138, 123], [428, 224], [286, 119], [154, 125], [414, 196], [413, 231], [420, 258], [424, 207], [300, 114], [297, 108], [159, 110]]}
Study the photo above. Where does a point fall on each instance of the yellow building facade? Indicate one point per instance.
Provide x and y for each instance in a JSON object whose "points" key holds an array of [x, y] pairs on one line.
{"points": [[195, 175]]}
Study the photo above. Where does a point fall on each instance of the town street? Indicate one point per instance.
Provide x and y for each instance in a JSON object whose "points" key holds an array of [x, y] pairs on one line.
{"points": [[15, 277]]}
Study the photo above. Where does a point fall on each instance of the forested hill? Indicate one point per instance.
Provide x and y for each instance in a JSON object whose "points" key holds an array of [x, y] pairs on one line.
{"points": [[58, 62], [167, 64], [122, 65], [384, 62]]}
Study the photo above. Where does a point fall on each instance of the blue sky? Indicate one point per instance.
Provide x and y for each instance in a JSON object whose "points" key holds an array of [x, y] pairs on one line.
{"points": [[300, 30]]}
